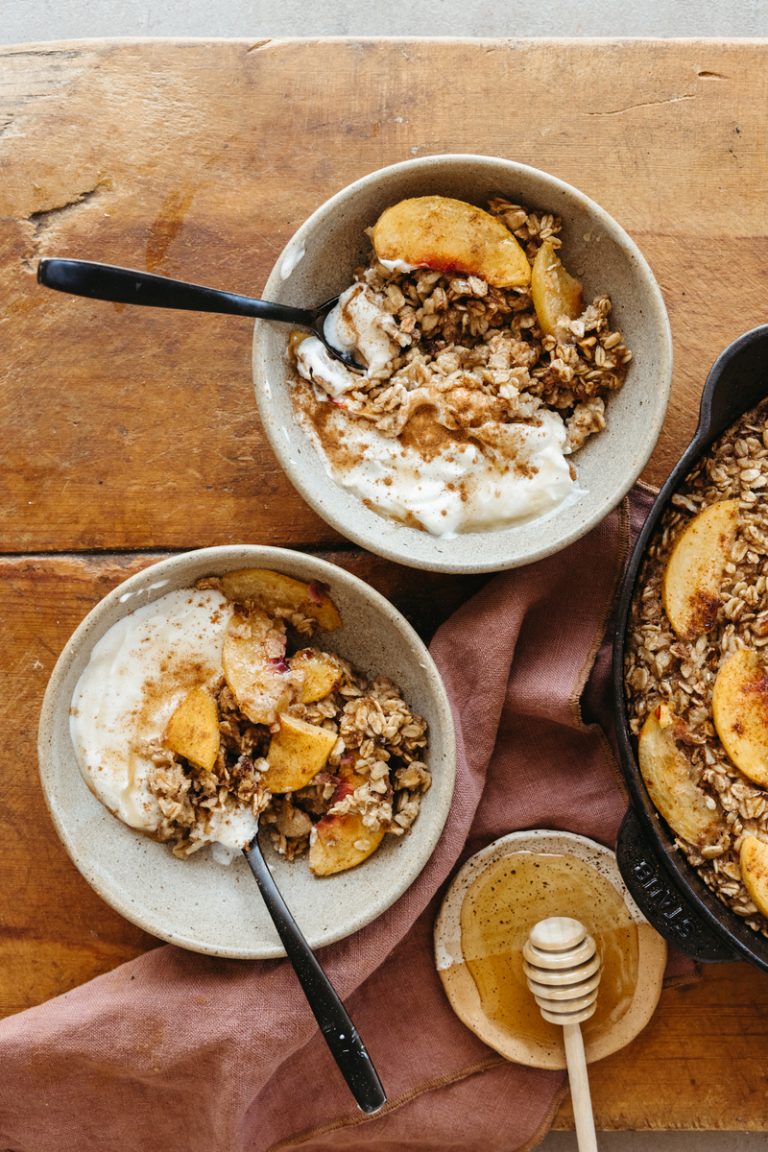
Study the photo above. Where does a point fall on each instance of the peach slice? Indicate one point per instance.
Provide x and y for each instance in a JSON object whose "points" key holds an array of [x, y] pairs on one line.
{"points": [[740, 712], [690, 587], [666, 771], [193, 729], [451, 236], [753, 858], [253, 658], [555, 293], [297, 752], [272, 591], [340, 841], [321, 673]]}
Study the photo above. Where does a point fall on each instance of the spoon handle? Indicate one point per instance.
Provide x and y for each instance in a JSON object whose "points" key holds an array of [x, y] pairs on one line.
{"points": [[128, 286], [340, 1034]]}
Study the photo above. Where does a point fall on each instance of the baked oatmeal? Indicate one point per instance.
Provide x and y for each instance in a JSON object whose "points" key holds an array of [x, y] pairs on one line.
{"points": [[475, 393], [209, 713], [697, 667]]}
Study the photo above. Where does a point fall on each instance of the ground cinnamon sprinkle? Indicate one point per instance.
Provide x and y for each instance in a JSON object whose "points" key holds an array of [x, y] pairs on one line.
{"points": [[428, 436], [467, 359]]}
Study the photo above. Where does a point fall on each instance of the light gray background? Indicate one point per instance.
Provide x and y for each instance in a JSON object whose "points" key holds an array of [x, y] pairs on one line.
{"points": [[24, 21], [28, 20]]}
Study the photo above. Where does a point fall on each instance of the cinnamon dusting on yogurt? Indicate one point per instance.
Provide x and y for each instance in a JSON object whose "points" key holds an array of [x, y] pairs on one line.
{"points": [[469, 407]]}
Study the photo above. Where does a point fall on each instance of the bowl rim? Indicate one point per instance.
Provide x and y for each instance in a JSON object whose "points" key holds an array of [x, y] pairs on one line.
{"points": [[150, 584], [363, 531]]}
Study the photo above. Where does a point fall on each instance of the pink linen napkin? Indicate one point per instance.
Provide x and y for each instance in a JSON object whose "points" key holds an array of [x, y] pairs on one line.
{"points": [[176, 1051]]}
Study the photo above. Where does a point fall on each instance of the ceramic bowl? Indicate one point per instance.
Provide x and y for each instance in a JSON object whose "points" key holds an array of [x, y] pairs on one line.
{"points": [[318, 263], [197, 903]]}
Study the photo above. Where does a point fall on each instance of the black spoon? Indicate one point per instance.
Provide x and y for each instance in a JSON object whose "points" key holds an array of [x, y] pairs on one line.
{"points": [[340, 1034], [129, 286]]}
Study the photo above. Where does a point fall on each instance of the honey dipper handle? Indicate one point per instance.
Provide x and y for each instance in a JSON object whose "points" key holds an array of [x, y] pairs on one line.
{"points": [[580, 1096]]}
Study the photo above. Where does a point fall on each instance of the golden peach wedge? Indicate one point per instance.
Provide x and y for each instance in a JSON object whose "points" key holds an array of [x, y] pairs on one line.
{"points": [[740, 712], [753, 858], [451, 236], [668, 777], [193, 729], [321, 673], [273, 591], [253, 658], [554, 291], [297, 752], [691, 583], [341, 842]]}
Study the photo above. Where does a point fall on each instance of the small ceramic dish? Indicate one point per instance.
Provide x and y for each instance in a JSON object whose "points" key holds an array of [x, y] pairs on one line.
{"points": [[486, 918], [196, 902], [318, 263]]}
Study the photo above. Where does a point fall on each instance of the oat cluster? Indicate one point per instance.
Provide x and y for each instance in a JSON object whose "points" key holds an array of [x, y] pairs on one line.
{"points": [[475, 354], [379, 738], [663, 669]]}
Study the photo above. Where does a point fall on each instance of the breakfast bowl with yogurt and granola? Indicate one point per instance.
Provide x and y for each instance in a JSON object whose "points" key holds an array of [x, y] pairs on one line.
{"points": [[238, 690], [515, 362]]}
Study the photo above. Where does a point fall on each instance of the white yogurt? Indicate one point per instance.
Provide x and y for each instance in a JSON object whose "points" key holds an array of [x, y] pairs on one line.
{"points": [[358, 325], [465, 487], [138, 673], [316, 364], [503, 474], [398, 266]]}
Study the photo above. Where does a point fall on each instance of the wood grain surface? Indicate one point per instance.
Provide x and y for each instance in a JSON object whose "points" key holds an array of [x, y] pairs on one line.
{"points": [[128, 433]]}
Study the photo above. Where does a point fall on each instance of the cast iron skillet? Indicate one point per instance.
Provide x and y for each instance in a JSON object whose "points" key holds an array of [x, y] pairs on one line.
{"points": [[670, 893]]}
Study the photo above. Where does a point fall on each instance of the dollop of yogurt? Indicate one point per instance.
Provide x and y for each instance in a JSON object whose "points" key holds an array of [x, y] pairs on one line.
{"points": [[482, 479], [358, 325], [515, 473], [137, 674], [397, 265]]}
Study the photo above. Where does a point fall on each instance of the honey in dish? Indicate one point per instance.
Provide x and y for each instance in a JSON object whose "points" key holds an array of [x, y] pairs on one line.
{"points": [[497, 915]]}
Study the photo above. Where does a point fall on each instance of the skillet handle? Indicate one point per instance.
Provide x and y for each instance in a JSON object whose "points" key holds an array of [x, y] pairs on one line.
{"points": [[737, 381], [663, 906]]}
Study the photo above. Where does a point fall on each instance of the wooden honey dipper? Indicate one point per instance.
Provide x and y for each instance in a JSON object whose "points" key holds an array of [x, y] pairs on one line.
{"points": [[563, 969]]}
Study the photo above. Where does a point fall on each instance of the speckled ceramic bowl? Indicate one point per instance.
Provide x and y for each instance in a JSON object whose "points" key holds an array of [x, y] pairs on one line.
{"points": [[197, 903], [318, 263]]}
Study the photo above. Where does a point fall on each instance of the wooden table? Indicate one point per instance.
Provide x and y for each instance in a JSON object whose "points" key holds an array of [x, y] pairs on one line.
{"points": [[128, 434]]}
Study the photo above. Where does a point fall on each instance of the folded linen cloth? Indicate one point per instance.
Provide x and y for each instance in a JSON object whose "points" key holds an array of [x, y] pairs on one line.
{"points": [[176, 1051]]}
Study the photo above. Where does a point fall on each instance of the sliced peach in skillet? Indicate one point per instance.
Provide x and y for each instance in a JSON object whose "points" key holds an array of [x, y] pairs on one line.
{"points": [[740, 712], [753, 858], [668, 776], [694, 571]]}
